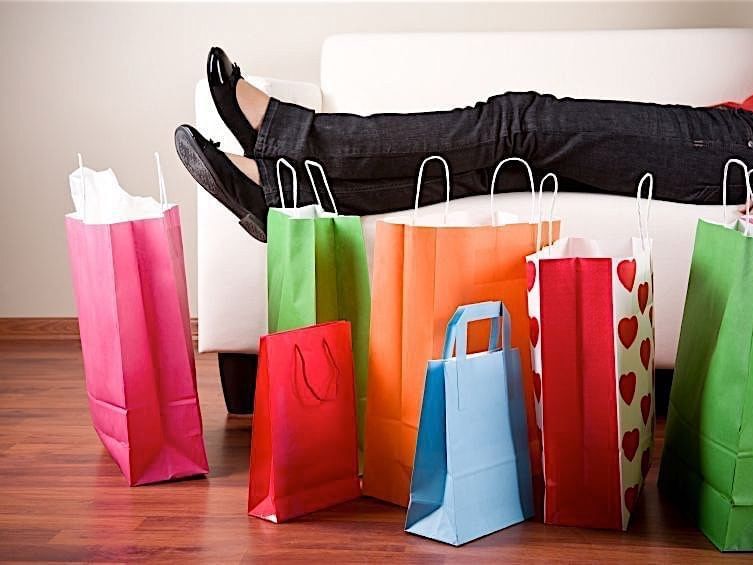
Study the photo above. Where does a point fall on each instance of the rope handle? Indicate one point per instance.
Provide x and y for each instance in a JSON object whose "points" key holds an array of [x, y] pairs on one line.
{"points": [[308, 163], [539, 243], [161, 181], [83, 186], [283, 161], [643, 220], [748, 190], [501, 164], [331, 362], [749, 203], [447, 185]]}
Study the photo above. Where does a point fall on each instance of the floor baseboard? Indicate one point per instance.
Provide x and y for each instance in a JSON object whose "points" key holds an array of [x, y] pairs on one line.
{"points": [[52, 328]]}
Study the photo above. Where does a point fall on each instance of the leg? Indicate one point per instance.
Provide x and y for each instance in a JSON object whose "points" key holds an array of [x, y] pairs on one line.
{"points": [[238, 378], [599, 144]]}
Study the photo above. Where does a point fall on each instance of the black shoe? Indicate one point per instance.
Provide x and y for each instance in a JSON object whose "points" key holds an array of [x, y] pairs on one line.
{"points": [[223, 76], [212, 169]]}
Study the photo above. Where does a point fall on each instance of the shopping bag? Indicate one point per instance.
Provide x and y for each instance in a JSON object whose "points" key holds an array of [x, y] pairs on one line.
{"points": [[707, 463], [317, 272], [472, 471], [592, 341], [423, 270], [129, 279], [304, 454]]}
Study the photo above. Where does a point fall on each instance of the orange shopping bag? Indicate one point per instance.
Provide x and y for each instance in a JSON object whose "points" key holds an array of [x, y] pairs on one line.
{"points": [[423, 270]]}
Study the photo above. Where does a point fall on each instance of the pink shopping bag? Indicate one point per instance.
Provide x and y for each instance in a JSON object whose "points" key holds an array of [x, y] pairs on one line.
{"points": [[130, 286]]}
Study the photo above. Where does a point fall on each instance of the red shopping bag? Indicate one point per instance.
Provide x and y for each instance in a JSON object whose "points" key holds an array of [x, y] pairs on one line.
{"points": [[130, 285], [592, 339], [304, 453]]}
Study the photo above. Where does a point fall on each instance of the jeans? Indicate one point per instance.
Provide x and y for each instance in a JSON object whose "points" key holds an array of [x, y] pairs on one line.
{"points": [[593, 146]]}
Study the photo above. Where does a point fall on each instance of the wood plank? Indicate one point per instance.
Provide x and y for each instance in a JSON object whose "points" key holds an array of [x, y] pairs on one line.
{"points": [[52, 328], [63, 499]]}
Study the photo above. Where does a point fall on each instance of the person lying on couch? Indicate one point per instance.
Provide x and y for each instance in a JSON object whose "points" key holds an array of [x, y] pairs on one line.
{"points": [[592, 145]]}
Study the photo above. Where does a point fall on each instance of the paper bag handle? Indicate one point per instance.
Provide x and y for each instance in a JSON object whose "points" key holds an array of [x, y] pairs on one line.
{"points": [[447, 185], [748, 190], [501, 164], [283, 161], [161, 181], [456, 336], [83, 186], [643, 219], [332, 364], [308, 164], [749, 202], [551, 211]]}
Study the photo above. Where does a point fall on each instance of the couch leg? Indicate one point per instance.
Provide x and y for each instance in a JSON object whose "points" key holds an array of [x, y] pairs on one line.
{"points": [[238, 377]]}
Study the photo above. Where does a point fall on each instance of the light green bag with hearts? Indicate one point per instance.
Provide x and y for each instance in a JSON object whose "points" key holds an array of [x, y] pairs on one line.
{"points": [[707, 463], [317, 272]]}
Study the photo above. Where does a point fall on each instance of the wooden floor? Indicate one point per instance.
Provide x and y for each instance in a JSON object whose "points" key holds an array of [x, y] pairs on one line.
{"points": [[63, 499]]}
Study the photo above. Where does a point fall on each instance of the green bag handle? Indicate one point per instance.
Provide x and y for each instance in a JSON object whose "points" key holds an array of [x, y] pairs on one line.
{"points": [[282, 161], [308, 163], [748, 190]]}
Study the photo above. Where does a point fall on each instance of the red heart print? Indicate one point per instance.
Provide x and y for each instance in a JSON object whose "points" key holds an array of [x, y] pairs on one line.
{"points": [[530, 274], [646, 352], [627, 329], [626, 273], [630, 443], [645, 462], [631, 495], [534, 331], [651, 316], [646, 407], [627, 387], [642, 296], [537, 385]]}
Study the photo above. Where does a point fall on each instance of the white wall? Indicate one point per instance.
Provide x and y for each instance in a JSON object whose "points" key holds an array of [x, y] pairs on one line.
{"points": [[113, 80]]}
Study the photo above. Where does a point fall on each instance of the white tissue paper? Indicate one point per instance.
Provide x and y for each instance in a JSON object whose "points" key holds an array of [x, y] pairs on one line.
{"points": [[99, 199]]}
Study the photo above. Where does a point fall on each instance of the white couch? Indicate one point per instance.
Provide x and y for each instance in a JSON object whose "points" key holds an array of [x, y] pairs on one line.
{"points": [[370, 73]]}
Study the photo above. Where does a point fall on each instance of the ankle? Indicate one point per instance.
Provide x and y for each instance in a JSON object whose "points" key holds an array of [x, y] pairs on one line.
{"points": [[247, 166], [253, 103]]}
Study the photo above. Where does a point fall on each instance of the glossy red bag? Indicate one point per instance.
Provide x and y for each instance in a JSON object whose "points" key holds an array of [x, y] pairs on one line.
{"points": [[304, 453]]}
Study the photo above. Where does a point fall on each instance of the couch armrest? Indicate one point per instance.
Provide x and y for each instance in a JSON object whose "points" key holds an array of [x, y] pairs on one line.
{"points": [[232, 265]]}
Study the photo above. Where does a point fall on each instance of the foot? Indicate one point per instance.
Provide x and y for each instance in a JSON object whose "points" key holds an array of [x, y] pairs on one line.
{"points": [[217, 174], [240, 105]]}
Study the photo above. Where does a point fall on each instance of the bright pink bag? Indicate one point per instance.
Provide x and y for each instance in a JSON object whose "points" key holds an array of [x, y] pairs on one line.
{"points": [[130, 286]]}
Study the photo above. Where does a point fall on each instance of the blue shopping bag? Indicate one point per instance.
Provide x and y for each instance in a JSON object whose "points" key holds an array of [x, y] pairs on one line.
{"points": [[471, 473]]}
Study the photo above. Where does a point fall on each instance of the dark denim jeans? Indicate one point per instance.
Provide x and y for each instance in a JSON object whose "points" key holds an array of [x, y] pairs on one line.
{"points": [[601, 146]]}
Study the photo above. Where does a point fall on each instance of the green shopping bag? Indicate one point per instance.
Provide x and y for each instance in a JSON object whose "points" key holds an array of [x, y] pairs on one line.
{"points": [[317, 272], [707, 463]]}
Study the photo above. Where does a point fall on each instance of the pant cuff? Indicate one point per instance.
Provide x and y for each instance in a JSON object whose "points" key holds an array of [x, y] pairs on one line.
{"points": [[283, 132]]}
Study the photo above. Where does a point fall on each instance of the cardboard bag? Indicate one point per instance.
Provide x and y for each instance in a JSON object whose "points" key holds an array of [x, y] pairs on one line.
{"points": [[317, 272], [707, 463], [126, 258], [423, 270], [304, 454], [472, 471], [592, 340]]}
